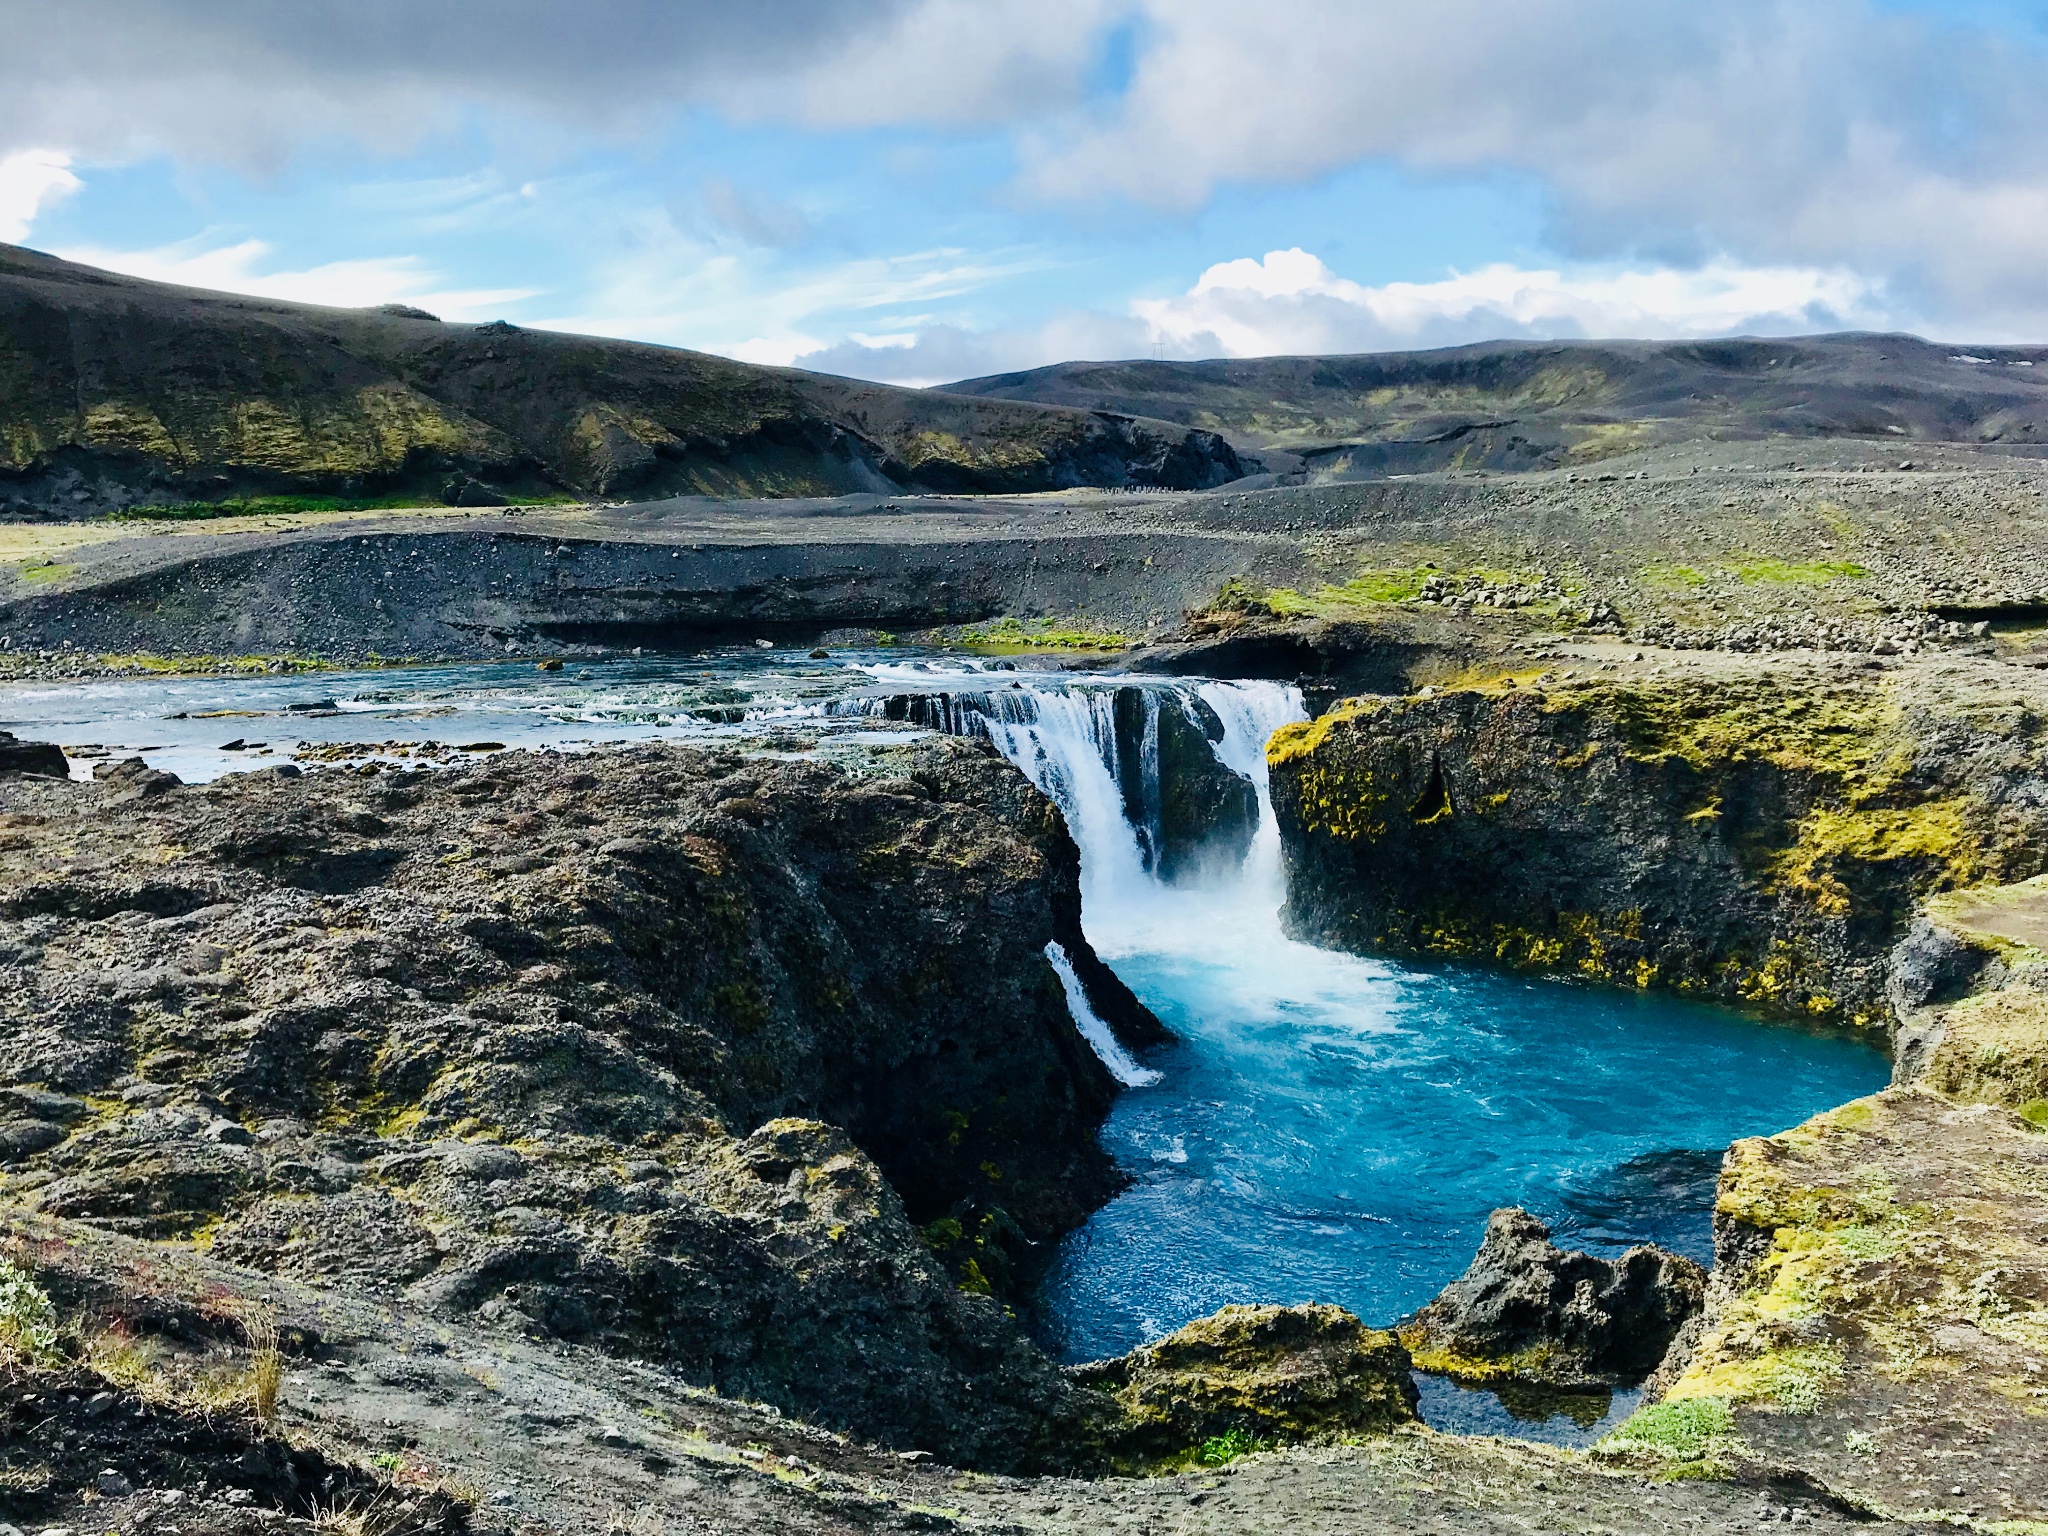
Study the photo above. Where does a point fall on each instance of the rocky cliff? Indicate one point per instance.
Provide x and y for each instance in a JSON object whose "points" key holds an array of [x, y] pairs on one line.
{"points": [[1737, 832], [666, 1052], [115, 391]]}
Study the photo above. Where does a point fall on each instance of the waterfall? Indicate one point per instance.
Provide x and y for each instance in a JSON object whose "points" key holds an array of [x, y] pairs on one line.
{"points": [[1122, 1065], [1063, 735], [1251, 713]]}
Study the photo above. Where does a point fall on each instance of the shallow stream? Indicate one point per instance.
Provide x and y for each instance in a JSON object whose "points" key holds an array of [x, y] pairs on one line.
{"points": [[1327, 1128]]}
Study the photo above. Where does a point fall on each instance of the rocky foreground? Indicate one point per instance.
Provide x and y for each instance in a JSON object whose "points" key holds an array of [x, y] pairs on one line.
{"points": [[679, 1056], [646, 1141]]}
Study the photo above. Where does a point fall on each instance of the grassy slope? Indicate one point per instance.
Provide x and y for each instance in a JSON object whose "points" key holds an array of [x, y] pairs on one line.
{"points": [[1570, 400], [207, 395]]}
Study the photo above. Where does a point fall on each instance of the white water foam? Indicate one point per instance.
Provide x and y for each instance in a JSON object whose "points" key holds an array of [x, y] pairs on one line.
{"points": [[1122, 1065], [1069, 750], [1225, 927]]}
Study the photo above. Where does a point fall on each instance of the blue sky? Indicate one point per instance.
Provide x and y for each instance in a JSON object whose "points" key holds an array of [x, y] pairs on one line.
{"points": [[919, 190]]}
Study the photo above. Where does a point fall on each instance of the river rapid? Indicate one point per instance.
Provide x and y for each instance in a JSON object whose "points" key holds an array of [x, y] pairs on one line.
{"points": [[1327, 1127]]}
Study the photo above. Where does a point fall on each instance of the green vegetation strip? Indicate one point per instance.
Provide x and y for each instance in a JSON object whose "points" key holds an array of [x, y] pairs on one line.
{"points": [[287, 506], [1038, 635], [1365, 588], [1691, 1438]]}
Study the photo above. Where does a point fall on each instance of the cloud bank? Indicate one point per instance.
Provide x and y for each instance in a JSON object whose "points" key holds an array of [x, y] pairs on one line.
{"points": [[1757, 164], [1794, 133], [1290, 302]]}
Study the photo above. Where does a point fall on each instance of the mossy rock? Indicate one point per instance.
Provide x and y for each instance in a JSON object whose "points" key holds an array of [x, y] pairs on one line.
{"points": [[1276, 1374], [1763, 841]]}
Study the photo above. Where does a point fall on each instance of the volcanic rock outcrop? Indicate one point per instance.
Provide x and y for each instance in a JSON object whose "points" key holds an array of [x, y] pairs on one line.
{"points": [[664, 1051], [1758, 838], [1530, 1310], [1267, 1373]]}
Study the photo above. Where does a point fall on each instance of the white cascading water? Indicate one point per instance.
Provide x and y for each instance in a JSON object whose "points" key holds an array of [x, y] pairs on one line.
{"points": [[1063, 736], [1122, 1065], [1069, 750]]}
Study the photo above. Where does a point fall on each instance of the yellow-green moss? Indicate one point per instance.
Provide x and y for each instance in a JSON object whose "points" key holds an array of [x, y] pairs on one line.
{"points": [[936, 447], [1798, 572], [1529, 1365], [1994, 1050], [1009, 634], [1372, 587], [132, 428], [1606, 439], [1363, 590]]}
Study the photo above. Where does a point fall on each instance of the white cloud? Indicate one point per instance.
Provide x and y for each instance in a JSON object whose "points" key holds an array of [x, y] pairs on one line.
{"points": [[1900, 141], [30, 180], [241, 268], [1290, 302], [660, 284]]}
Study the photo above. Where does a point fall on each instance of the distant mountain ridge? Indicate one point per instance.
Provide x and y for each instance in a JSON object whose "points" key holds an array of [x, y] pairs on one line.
{"points": [[1537, 404], [114, 390]]}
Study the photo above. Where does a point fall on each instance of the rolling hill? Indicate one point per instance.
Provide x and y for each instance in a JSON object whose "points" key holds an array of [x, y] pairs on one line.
{"points": [[1529, 405], [115, 391]]}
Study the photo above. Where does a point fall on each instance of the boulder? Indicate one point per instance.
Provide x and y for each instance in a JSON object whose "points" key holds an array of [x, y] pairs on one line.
{"points": [[132, 779], [1268, 1373], [37, 757], [1930, 965], [467, 491], [1530, 1311]]}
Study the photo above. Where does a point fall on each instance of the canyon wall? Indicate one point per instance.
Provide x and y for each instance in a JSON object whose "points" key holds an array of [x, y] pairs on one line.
{"points": [[1759, 837]]}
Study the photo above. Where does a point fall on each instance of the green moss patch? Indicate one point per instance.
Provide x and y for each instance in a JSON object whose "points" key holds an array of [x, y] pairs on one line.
{"points": [[1363, 590], [1012, 634], [1805, 573], [1694, 1437]]}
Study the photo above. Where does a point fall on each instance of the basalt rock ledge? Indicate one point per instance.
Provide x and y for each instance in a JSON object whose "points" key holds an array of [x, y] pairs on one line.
{"points": [[693, 1057]]}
